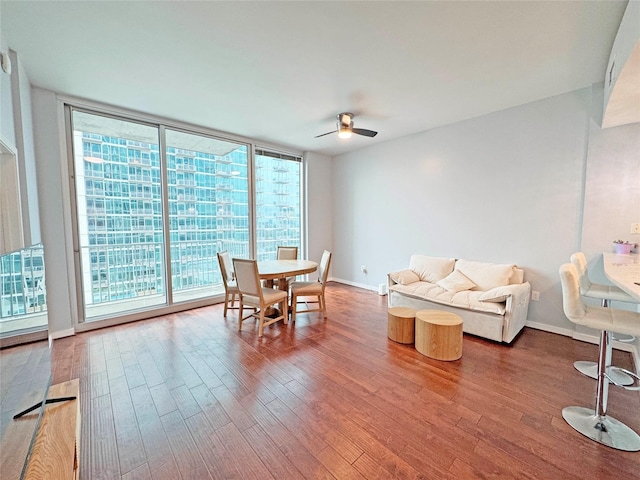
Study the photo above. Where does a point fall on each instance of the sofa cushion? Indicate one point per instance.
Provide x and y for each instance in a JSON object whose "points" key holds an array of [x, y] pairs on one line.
{"points": [[404, 277], [431, 269], [467, 299], [455, 282], [485, 275]]}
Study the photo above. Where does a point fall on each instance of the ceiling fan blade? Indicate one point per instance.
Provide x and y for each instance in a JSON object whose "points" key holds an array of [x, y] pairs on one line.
{"points": [[364, 131], [323, 134]]}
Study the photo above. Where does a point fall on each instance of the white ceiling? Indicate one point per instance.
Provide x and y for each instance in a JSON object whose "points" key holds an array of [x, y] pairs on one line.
{"points": [[280, 71]]}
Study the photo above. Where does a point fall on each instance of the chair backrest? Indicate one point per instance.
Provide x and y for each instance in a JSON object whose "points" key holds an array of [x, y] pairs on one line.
{"points": [[572, 303], [247, 277], [580, 262], [225, 267], [323, 268], [287, 253]]}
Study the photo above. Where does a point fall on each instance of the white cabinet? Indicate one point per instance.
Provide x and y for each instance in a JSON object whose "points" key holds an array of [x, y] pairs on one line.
{"points": [[622, 78]]}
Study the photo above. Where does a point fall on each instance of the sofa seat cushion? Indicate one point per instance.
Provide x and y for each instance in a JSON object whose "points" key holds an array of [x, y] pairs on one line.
{"points": [[468, 299]]}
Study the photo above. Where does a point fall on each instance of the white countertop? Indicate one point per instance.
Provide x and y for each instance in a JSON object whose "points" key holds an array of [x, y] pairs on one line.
{"points": [[623, 270]]}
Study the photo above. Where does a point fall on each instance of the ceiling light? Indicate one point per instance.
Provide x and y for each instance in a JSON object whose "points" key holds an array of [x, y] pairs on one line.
{"points": [[344, 132]]}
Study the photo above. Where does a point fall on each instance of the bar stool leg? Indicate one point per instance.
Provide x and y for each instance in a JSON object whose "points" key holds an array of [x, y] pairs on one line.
{"points": [[596, 424]]}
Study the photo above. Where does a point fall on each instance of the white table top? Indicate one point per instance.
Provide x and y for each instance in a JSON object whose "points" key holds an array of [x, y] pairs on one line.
{"points": [[623, 270], [272, 269]]}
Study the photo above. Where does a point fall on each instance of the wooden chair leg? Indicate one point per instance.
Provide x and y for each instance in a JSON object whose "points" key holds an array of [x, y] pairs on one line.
{"points": [[323, 304], [240, 315], [293, 308], [286, 311], [226, 304], [261, 325]]}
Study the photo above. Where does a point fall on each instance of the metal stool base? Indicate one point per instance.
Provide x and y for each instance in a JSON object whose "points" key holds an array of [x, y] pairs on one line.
{"points": [[605, 430], [624, 338], [590, 369]]}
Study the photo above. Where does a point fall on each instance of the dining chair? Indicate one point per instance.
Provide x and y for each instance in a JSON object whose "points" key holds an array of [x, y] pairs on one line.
{"points": [[604, 293], [253, 294], [230, 286], [287, 253], [595, 423], [312, 289]]}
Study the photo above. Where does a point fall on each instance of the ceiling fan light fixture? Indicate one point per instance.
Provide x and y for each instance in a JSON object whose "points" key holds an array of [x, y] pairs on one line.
{"points": [[344, 128], [344, 132]]}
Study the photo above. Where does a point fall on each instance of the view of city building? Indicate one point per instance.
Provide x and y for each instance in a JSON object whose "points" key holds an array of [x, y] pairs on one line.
{"points": [[22, 279]]}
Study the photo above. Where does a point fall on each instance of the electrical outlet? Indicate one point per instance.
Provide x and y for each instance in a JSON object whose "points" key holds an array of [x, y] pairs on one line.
{"points": [[635, 228], [535, 296], [363, 268]]}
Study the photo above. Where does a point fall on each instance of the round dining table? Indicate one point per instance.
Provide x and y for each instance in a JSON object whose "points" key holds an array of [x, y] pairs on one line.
{"points": [[282, 270], [270, 270]]}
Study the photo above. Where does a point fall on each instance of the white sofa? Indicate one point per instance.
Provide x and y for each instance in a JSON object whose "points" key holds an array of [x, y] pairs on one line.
{"points": [[492, 299]]}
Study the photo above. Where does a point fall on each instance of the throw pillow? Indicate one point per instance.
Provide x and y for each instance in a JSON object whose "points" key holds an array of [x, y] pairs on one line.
{"points": [[456, 282], [431, 269], [404, 277], [486, 275]]}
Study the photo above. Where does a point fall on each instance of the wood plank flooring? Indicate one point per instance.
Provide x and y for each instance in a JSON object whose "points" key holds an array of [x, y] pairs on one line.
{"points": [[187, 396]]}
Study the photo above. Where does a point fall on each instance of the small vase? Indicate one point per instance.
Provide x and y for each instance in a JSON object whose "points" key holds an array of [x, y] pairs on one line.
{"points": [[623, 248]]}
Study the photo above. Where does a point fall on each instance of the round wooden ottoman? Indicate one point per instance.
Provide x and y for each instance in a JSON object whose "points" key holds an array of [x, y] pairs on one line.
{"points": [[439, 334], [401, 326]]}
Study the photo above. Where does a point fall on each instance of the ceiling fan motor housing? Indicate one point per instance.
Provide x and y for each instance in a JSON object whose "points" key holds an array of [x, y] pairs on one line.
{"points": [[345, 120]]}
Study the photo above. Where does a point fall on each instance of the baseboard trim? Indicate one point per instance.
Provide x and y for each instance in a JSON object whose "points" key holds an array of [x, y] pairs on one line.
{"points": [[354, 284], [553, 329]]}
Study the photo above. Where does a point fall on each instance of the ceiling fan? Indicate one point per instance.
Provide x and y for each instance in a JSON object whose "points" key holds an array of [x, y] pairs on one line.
{"points": [[345, 128]]}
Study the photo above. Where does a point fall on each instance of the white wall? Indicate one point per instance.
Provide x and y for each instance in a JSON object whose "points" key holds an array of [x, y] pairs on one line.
{"points": [[47, 122], [319, 204], [508, 187], [612, 194]]}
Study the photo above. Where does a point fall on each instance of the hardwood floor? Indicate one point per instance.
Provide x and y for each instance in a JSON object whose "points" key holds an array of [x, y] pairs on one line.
{"points": [[187, 396]]}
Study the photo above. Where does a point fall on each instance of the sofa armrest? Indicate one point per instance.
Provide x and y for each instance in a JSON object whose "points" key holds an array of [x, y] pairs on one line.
{"points": [[516, 293], [517, 308]]}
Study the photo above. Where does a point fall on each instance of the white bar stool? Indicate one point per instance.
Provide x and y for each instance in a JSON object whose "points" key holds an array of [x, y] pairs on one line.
{"points": [[595, 424], [605, 293]]}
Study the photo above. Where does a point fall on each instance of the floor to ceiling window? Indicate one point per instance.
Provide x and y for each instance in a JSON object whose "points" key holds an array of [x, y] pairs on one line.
{"points": [[119, 215], [154, 204], [208, 210], [277, 202]]}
